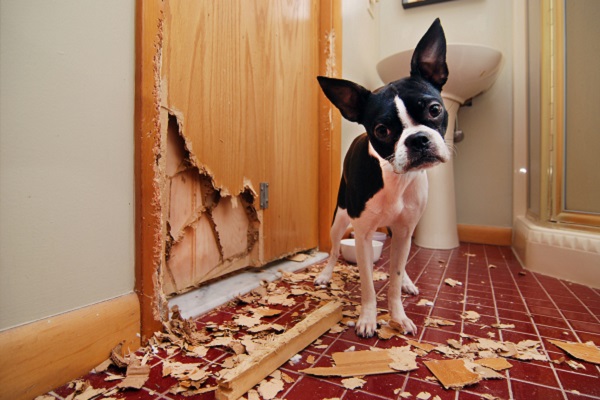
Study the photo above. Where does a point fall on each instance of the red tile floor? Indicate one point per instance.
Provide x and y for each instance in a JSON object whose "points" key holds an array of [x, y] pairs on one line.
{"points": [[494, 285]]}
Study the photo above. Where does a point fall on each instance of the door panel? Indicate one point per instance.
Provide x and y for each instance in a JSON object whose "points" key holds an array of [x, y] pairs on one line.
{"points": [[238, 85]]}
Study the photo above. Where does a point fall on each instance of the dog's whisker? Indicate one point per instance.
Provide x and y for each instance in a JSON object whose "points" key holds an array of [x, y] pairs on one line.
{"points": [[453, 149]]}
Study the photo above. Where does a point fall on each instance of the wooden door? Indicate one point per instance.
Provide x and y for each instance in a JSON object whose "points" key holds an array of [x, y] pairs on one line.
{"points": [[238, 76], [230, 102]]}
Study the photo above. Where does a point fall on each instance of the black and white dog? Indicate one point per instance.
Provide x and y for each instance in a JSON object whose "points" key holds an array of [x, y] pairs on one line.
{"points": [[384, 181]]}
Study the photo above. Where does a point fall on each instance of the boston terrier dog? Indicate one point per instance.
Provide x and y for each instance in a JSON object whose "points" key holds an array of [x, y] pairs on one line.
{"points": [[384, 183]]}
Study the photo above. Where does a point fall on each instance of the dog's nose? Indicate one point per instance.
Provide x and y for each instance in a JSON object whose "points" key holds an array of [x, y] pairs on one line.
{"points": [[418, 141]]}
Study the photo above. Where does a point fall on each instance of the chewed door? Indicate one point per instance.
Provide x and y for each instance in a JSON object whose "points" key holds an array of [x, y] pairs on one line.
{"points": [[239, 128]]}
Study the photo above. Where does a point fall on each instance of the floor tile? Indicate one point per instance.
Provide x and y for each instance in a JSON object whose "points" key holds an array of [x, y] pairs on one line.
{"points": [[541, 308], [525, 390]]}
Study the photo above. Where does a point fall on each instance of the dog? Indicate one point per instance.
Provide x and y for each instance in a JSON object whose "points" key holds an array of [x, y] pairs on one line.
{"points": [[384, 183]]}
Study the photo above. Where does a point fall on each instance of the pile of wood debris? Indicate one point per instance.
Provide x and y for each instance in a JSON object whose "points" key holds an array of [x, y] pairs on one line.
{"points": [[258, 345]]}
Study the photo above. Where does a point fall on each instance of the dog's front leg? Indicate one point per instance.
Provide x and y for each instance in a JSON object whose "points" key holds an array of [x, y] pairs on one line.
{"points": [[398, 279], [367, 322], [340, 224]]}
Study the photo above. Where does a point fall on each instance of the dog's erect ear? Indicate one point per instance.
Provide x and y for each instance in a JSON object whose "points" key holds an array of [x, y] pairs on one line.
{"points": [[349, 97], [429, 58]]}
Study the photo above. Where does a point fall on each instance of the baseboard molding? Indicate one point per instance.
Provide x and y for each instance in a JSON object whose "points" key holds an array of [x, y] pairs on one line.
{"points": [[37, 357], [494, 235]]}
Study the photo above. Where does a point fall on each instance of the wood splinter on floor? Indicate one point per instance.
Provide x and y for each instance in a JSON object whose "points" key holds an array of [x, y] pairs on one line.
{"points": [[582, 351], [452, 374], [368, 362], [237, 381]]}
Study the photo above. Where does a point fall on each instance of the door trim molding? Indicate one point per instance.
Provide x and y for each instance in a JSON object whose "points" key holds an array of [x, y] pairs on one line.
{"points": [[330, 120], [148, 36]]}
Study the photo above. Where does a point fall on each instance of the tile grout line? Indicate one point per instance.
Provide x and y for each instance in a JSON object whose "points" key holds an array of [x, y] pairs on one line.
{"points": [[487, 262], [564, 393], [409, 259], [440, 285], [579, 299], [560, 311], [465, 297], [430, 308]]}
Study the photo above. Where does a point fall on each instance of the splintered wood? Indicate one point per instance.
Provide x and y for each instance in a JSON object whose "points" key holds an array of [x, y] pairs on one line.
{"points": [[582, 351], [235, 382], [368, 362], [452, 374]]}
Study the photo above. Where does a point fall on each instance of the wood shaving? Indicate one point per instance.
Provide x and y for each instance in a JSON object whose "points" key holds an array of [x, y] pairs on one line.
{"points": [[488, 396], [575, 365], [281, 299], [497, 364], [353, 383], [404, 360], [425, 302], [503, 326], [136, 377], [452, 282], [84, 391], [436, 322], [471, 316], [245, 321], [264, 312], [483, 371], [583, 351], [267, 327], [269, 389], [386, 332], [452, 374], [380, 276], [422, 346]]}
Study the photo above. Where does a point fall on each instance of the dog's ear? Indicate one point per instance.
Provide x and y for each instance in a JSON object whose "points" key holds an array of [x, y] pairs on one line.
{"points": [[349, 97], [429, 58]]}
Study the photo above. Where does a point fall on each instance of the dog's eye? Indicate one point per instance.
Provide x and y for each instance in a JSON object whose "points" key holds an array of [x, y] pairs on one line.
{"points": [[435, 109], [381, 131]]}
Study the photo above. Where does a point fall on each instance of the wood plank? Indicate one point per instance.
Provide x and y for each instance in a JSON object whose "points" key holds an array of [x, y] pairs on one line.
{"points": [[148, 229], [494, 235], [38, 357], [271, 356]]}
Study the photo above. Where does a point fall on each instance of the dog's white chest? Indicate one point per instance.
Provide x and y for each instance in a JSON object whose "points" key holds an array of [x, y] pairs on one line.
{"points": [[403, 197]]}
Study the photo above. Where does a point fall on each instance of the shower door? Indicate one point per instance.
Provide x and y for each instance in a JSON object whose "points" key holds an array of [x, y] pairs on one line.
{"points": [[564, 90]]}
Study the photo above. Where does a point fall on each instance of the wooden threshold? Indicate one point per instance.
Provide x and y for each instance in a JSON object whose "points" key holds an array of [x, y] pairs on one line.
{"points": [[40, 356], [482, 234]]}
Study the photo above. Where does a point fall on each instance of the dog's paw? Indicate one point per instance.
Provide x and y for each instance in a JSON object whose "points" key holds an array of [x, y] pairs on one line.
{"points": [[407, 325], [410, 288], [323, 279], [366, 327]]}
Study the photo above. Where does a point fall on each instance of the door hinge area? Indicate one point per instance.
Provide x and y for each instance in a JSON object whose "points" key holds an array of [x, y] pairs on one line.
{"points": [[264, 195]]}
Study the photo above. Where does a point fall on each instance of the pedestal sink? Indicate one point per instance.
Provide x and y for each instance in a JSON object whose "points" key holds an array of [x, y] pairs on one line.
{"points": [[472, 70]]}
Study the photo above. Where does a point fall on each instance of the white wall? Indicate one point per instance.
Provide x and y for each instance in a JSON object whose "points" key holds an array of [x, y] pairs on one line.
{"points": [[66, 155], [483, 161], [360, 53]]}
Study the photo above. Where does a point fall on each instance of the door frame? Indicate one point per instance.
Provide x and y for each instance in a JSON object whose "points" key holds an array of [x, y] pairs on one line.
{"points": [[148, 226]]}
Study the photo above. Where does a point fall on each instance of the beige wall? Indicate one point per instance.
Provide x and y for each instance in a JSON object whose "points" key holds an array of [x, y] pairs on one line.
{"points": [[66, 155], [360, 53], [483, 163]]}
